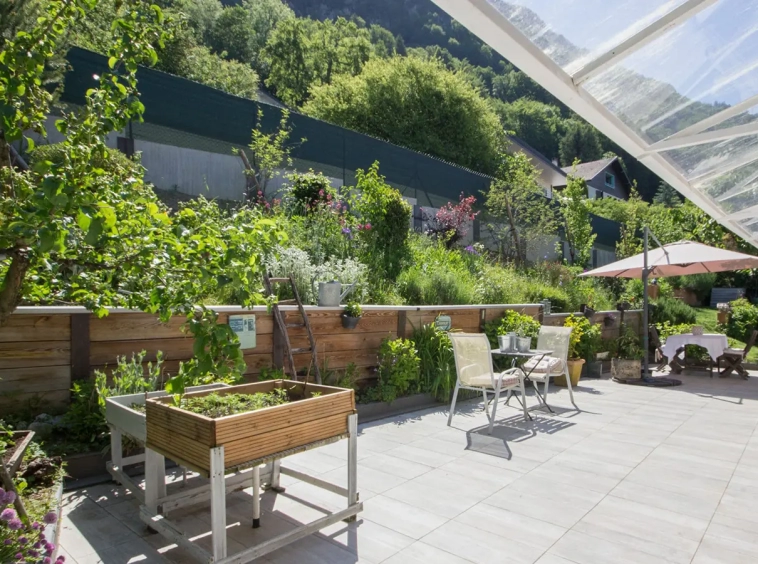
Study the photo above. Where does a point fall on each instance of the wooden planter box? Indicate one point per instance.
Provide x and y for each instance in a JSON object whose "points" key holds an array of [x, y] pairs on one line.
{"points": [[248, 438]]}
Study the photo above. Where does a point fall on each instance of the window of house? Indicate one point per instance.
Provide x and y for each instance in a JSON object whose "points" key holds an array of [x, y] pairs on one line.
{"points": [[598, 195], [610, 180]]}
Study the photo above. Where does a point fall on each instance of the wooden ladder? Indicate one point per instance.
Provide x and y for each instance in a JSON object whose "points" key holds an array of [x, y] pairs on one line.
{"points": [[282, 325]]}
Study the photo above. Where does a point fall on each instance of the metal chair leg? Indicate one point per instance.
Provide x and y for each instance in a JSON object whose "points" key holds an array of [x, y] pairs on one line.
{"points": [[494, 407], [452, 405]]}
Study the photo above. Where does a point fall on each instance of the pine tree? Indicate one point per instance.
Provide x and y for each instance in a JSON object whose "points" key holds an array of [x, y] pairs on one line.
{"points": [[667, 196]]}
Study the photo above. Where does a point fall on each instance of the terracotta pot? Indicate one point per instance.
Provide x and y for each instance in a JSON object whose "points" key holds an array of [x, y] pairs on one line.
{"points": [[723, 317], [626, 369], [652, 291], [575, 372]]}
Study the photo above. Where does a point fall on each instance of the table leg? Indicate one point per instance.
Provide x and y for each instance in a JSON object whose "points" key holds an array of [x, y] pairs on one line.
{"points": [[218, 503], [155, 479], [352, 462], [256, 497]]}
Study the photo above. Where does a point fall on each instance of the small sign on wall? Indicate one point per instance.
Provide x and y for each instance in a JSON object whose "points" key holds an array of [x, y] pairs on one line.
{"points": [[244, 327], [443, 322]]}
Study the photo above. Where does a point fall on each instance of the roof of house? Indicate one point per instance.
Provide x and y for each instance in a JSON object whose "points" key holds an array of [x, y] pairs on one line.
{"points": [[589, 170], [557, 176]]}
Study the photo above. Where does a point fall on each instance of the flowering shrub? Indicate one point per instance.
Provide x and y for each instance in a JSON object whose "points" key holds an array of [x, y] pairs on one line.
{"points": [[23, 544], [450, 223], [309, 189]]}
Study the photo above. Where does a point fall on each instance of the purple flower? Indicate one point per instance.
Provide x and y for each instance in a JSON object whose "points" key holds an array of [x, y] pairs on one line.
{"points": [[61, 558], [471, 249], [37, 544], [7, 514], [8, 497], [23, 540], [7, 542], [47, 560], [50, 518], [15, 524], [49, 547], [18, 556], [36, 526], [33, 553]]}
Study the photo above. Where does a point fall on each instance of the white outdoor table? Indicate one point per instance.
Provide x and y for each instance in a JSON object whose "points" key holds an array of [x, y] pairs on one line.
{"points": [[714, 343], [531, 353]]}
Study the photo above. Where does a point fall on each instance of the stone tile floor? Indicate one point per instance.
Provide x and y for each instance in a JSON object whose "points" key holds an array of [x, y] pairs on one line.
{"points": [[639, 476]]}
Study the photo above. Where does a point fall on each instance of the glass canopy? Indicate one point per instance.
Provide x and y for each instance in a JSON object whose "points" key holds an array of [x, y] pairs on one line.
{"points": [[673, 82]]}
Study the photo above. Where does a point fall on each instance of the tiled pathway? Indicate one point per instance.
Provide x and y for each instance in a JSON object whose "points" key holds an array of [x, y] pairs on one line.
{"points": [[639, 476]]}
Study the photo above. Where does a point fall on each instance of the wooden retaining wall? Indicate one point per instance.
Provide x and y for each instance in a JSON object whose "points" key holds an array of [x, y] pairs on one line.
{"points": [[44, 349]]}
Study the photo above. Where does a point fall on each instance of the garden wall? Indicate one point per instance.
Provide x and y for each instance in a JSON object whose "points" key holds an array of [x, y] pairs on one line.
{"points": [[44, 349]]}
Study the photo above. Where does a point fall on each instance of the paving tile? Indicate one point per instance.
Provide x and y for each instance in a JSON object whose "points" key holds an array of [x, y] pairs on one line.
{"points": [[367, 540], [402, 517], [510, 525], [395, 465], [368, 479], [478, 545], [696, 503], [720, 550], [584, 549], [653, 530], [422, 553], [421, 456]]}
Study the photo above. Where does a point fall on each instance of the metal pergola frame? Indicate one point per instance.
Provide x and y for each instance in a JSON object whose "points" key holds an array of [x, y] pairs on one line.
{"points": [[485, 21]]}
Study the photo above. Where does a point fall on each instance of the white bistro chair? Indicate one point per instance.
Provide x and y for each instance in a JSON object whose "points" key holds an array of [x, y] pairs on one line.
{"points": [[473, 365], [554, 339]]}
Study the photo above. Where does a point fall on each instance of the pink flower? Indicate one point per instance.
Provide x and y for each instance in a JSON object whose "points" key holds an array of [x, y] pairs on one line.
{"points": [[15, 524], [7, 515], [367, 226]]}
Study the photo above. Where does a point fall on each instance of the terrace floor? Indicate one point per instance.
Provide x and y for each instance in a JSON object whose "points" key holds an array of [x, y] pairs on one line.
{"points": [[639, 476]]}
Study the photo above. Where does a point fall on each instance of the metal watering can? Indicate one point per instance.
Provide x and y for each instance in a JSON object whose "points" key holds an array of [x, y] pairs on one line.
{"points": [[330, 294]]}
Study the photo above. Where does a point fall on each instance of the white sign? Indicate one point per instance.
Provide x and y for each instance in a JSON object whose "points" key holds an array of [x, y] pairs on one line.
{"points": [[443, 322], [244, 326]]}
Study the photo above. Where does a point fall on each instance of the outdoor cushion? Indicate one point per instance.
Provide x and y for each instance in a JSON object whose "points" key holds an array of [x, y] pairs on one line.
{"points": [[548, 364], [484, 381]]}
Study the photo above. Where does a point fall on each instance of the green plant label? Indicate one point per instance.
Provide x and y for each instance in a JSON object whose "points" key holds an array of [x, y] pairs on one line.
{"points": [[443, 322], [244, 327]]}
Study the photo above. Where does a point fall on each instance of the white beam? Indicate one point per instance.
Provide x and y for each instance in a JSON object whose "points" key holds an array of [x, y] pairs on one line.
{"points": [[707, 137], [717, 118], [492, 27], [675, 17]]}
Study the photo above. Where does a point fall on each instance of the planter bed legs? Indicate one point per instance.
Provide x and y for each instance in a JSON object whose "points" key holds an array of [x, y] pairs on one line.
{"points": [[220, 485]]}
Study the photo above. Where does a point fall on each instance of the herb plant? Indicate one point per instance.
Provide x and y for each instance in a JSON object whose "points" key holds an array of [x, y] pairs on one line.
{"points": [[220, 405], [353, 309], [628, 344]]}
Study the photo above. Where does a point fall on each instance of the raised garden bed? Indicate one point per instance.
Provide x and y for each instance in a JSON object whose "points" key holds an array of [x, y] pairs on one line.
{"points": [[13, 457], [313, 413]]}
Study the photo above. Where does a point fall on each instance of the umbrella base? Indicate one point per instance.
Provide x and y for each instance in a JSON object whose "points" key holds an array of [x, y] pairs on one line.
{"points": [[650, 381]]}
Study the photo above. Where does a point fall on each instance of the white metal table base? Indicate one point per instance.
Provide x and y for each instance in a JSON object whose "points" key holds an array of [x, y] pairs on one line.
{"points": [[220, 485]]}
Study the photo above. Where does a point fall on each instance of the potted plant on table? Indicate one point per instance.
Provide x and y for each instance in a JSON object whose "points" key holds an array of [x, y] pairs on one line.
{"points": [[626, 364], [584, 342], [351, 315]]}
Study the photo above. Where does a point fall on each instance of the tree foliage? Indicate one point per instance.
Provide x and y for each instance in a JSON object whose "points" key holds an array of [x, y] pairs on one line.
{"points": [[580, 141], [667, 196], [575, 212], [520, 214], [415, 103]]}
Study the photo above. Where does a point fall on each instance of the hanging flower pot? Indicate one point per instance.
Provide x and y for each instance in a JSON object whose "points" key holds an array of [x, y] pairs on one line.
{"points": [[352, 315]]}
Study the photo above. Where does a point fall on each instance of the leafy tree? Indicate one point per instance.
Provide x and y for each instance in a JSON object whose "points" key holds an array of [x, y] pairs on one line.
{"points": [[580, 141], [207, 68], [306, 53], [233, 35], [415, 103], [268, 153], [385, 220], [450, 223], [631, 221], [385, 44], [575, 212], [202, 16], [667, 196], [288, 57], [520, 214], [536, 123], [264, 15]]}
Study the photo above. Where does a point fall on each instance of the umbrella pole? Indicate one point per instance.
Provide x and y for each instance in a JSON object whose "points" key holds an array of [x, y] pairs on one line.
{"points": [[645, 304]]}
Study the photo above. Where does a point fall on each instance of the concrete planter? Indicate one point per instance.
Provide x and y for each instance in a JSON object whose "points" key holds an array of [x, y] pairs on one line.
{"points": [[623, 369]]}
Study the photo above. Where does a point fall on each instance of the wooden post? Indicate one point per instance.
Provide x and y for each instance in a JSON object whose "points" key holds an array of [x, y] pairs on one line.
{"points": [[80, 346], [401, 318], [482, 319], [155, 479]]}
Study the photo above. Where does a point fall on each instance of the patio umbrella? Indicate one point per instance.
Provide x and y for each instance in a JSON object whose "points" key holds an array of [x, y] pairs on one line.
{"points": [[674, 259]]}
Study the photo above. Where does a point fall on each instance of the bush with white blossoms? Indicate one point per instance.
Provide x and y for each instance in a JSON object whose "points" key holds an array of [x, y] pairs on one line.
{"points": [[22, 544]]}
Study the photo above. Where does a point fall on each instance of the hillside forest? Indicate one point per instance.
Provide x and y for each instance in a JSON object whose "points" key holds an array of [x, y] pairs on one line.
{"points": [[399, 70]]}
